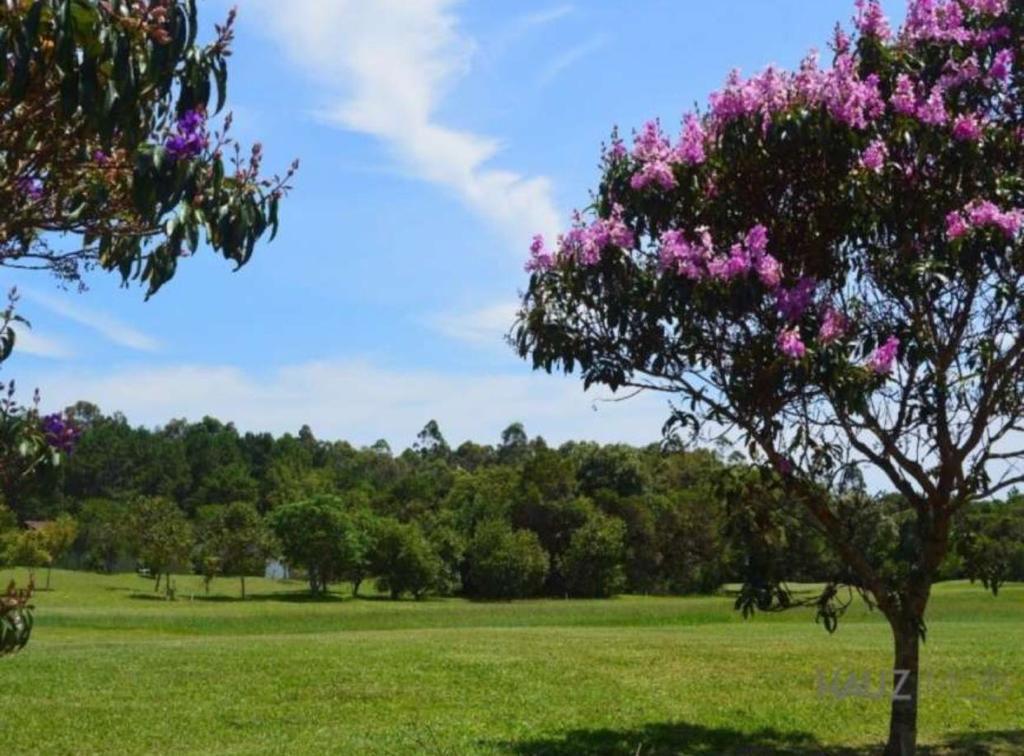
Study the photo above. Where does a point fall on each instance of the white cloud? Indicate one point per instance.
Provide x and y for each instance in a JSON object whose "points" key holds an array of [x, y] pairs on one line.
{"points": [[572, 56], [38, 344], [544, 16], [485, 327], [107, 326], [385, 68], [361, 401]]}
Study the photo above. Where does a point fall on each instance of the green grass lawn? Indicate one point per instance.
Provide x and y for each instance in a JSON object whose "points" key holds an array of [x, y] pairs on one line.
{"points": [[112, 669]]}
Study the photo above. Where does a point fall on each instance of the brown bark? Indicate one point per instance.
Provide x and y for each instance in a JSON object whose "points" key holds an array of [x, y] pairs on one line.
{"points": [[905, 689]]}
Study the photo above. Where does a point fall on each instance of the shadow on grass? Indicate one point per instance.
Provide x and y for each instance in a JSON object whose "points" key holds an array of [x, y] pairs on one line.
{"points": [[697, 740], [287, 598]]}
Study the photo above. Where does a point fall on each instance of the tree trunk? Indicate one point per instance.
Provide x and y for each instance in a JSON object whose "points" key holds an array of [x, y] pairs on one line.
{"points": [[356, 582], [156, 585], [243, 587], [903, 719]]}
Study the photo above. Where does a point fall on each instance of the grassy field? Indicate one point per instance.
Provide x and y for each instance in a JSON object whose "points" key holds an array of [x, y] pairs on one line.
{"points": [[112, 669]]}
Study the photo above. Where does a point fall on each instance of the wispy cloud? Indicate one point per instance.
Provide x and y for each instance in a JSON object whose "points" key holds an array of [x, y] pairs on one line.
{"points": [[41, 345], [386, 68], [110, 328], [571, 56], [373, 401], [485, 327], [543, 16]]}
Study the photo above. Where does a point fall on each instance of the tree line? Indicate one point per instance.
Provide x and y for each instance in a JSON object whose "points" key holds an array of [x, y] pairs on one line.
{"points": [[513, 519]]}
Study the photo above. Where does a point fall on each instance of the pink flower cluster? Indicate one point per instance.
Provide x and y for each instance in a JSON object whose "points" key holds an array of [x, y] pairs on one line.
{"points": [[541, 258], [833, 326], [882, 359], [657, 156], [967, 128], [790, 343], [582, 243], [1001, 66], [871, 21], [793, 303], [850, 99], [944, 20], [874, 156], [698, 260], [980, 214]]}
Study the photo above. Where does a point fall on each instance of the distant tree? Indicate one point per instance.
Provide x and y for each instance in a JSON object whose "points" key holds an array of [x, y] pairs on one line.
{"points": [[449, 543], [503, 563], [365, 526], [989, 540], [405, 561], [162, 538], [593, 563], [611, 468], [554, 522], [238, 542], [515, 444], [24, 548], [430, 442], [56, 537], [103, 535], [319, 536]]}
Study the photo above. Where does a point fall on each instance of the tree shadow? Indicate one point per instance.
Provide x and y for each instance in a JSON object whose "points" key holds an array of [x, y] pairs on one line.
{"points": [[984, 743], [296, 597], [697, 740], [669, 738]]}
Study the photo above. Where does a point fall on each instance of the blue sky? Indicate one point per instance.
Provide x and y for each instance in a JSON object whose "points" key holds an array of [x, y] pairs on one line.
{"points": [[436, 137]]}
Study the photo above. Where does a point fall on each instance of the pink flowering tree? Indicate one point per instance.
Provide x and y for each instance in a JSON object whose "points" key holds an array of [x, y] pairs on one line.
{"points": [[826, 265]]}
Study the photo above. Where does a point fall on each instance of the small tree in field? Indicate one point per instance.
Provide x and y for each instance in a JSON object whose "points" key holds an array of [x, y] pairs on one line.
{"points": [[162, 538], [320, 536], [405, 561], [238, 542], [57, 537], [826, 265]]}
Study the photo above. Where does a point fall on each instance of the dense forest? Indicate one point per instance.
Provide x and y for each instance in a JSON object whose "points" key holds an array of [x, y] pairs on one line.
{"points": [[513, 519]]}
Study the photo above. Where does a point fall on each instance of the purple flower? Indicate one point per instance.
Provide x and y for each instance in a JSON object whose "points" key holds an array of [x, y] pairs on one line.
{"points": [[966, 128], [956, 226], [940, 20], [871, 21], [882, 359], [790, 344], [850, 99], [793, 303], [1001, 65], [986, 7], [690, 149], [541, 258], [833, 326], [679, 255], [60, 434], [656, 172], [933, 110], [956, 72], [769, 270], [190, 138], [757, 240], [904, 96], [31, 187], [873, 158]]}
